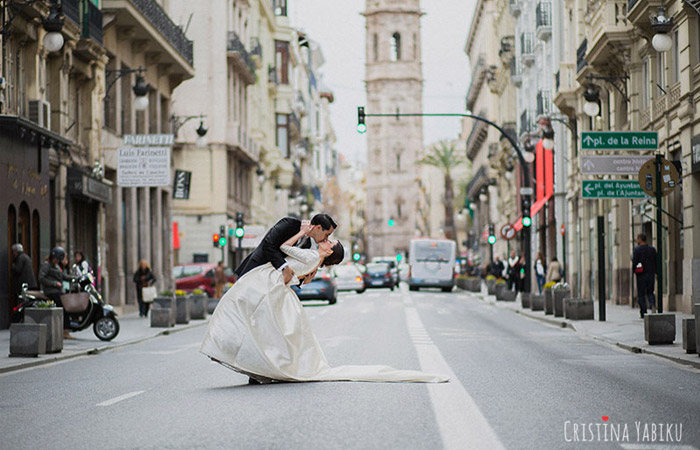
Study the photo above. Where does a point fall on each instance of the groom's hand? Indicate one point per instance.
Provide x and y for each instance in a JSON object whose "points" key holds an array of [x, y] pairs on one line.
{"points": [[287, 273]]}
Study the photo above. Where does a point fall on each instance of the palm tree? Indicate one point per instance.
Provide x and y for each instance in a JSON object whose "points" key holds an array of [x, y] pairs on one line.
{"points": [[445, 156]]}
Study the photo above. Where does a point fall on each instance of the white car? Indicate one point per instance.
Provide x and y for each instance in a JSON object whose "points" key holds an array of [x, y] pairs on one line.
{"points": [[349, 278]]}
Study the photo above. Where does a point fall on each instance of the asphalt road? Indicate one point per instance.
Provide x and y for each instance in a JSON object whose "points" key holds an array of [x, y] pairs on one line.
{"points": [[516, 384]]}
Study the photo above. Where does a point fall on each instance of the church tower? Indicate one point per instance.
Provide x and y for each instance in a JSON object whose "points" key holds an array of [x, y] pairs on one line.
{"points": [[394, 82]]}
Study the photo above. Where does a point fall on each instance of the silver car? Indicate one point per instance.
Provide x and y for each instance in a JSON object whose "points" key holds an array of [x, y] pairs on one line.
{"points": [[349, 278]]}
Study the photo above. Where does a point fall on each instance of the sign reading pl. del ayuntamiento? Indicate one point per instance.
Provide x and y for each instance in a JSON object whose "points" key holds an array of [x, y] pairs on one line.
{"points": [[144, 160]]}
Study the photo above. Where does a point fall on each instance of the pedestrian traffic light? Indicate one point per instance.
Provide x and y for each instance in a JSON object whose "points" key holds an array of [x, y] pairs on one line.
{"points": [[527, 220], [492, 234], [240, 231], [361, 127], [215, 239], [356, 257]]}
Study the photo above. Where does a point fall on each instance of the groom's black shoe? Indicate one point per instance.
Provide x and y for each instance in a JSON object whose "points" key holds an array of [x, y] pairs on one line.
{"points": [[253, 381]]}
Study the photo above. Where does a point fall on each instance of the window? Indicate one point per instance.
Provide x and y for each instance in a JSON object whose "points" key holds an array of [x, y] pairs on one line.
{"points": [[280, 7], [282, 61], [645, 84], [375, 47], [283, 134], [395, 47], [399, 203]]}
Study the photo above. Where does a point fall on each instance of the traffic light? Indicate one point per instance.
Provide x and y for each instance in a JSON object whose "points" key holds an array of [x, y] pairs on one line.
{"points": [[356, 256], [215, 239], [527, 220], [222, 236], [361, 127], [391, 222], [492, 234], [240, 231], [399, 257]]}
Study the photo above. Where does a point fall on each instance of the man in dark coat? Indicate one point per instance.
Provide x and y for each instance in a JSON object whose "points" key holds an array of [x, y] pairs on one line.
{"points": [[22, 269], [644, 267], [285, 228]]}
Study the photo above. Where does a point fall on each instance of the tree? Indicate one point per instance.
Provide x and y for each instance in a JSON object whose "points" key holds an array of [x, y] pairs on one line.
{"points": [[445, 156]]}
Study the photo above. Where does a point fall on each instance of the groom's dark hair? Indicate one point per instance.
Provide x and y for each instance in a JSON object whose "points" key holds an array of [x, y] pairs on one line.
{"points": [[324, 220], [336, 257]]}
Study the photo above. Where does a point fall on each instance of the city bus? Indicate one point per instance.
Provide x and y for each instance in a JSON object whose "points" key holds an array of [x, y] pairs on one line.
{"points": [[431, 264]]}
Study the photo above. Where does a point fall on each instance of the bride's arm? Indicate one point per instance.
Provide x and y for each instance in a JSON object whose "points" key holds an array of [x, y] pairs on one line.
{"points": [[293, 240]]}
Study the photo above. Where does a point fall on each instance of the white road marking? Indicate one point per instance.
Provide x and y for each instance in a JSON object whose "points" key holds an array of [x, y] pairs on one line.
{"points": [[462, 425], [114, 400]]}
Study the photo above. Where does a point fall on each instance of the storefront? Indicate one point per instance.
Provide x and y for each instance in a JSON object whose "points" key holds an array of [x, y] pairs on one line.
{"points": [[26, 198]]}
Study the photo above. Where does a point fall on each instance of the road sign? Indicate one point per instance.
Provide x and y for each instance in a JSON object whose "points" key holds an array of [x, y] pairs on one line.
{"points": [[647, 177], [619, 140], [611, 165], [507, 232], [526, 191], [611, 189]]}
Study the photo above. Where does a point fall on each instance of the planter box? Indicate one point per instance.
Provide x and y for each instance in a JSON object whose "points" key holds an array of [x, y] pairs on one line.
{"points": [[689, 337], [696, 311], [559, 296], [183, 309], [578, 309], [548, 302], [491, 288], [537, 302], [212, 303], [28, 339], [525, 299], [198, 306], [660, 329], [53, 319], [508, 295], [161, 317], [167, 303], [462, 283], [476, 285], [499, 290]]}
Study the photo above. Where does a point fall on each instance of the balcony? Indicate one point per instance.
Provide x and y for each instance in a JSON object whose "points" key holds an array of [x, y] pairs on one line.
{"points": [[479, 72], [527, 121], [639, 11], [610, 32], [71, 10], [565, 98], [544, 103], [295, 126], [514, 7], [543, 13], [256, 52], [527, 49], [516, 76], [92, 22], [476, 138], [240, 58], [151, 23], [580, 56]]}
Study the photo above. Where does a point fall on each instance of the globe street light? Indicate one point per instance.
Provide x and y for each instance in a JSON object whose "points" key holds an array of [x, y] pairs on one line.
{"points": [[53, 24], [592, 105], [661, 25]]}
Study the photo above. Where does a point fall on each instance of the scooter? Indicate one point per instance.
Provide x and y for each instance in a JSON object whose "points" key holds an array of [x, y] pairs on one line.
{"points": [[83, 304]]}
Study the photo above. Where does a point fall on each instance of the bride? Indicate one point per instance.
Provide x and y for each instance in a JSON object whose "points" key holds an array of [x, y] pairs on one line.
{"points": [[261, 330]]}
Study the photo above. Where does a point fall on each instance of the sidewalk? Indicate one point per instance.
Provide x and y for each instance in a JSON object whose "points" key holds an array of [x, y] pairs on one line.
{"points": [[623, 327], [132, 330]]}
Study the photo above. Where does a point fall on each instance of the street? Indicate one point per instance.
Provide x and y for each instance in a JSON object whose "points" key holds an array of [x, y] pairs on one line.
{"points": [[518, 384]]}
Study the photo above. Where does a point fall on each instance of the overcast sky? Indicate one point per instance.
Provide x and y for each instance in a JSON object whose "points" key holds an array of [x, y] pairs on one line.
{"points": [[340, 31]]}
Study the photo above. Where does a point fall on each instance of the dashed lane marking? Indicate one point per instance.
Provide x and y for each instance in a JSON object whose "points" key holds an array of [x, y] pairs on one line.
{"points": [[114, 400]]}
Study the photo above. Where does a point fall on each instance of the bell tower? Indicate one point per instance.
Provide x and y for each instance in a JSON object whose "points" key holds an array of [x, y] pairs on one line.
{"points": [[394, 80]]}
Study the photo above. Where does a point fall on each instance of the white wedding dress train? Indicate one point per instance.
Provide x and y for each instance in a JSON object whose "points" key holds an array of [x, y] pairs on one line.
{"points": [[260, 329]]}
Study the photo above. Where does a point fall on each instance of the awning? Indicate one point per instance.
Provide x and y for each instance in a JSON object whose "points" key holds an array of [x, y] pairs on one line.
{"points": [[84, 185]]}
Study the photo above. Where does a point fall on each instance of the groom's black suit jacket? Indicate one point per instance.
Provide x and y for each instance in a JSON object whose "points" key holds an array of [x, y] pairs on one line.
{"points": [[269, 248]]}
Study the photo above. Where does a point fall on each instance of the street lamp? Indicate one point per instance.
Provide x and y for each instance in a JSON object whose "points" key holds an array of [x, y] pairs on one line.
{"points": [[53, 24], [201, 141], [592, 105], [661, 25], [140, 89]]}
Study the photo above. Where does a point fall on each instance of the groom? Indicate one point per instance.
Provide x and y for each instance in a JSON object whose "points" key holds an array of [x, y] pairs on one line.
{"points": [[285, 228]]}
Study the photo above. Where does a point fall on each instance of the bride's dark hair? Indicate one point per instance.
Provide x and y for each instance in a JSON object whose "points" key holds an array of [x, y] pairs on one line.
{"points": [[336, 257]]}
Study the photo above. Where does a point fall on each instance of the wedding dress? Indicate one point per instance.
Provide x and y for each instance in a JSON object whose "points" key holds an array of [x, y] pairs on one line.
{"points": [[260, 329]]}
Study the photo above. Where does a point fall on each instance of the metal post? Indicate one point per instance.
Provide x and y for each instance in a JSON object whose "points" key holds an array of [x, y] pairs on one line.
{"points": [[601, 264], [239, 256], [659, 240]]}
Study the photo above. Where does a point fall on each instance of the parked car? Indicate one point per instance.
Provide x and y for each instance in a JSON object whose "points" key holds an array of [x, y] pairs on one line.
{"points": [[189, 277], [392, 265], [322, 287], [349, 278], [378, 275]]}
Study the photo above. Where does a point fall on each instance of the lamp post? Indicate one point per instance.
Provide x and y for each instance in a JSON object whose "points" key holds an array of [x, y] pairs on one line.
{"points": [[140, 88], [661, 25], [178, 121], [524, 167]]}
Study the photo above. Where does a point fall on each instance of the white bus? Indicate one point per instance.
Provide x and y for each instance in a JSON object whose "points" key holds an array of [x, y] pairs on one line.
{"points": [[432, 264]]}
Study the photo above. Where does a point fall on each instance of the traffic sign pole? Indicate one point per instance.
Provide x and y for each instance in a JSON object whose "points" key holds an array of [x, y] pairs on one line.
{"points": [[659, 240]]}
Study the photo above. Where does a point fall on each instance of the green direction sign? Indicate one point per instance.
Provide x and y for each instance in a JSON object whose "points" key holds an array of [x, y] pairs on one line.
{"points": [[612, 189], [619, 140]]}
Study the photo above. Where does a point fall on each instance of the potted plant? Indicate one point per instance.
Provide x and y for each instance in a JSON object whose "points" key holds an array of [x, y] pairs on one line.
{"points": [[182, 305], [500, 287], [560, 291], [164, 310], [198, 304], [548, 298], [462, 282], [491, 284], [48, 313]]}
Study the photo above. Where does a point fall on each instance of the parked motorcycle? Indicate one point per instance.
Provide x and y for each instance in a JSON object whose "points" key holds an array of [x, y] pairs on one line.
{"points": [[83, 304]]}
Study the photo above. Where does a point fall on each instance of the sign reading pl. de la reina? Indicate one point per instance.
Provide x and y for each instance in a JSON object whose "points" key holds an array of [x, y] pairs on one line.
{"points": [[619, 140]]}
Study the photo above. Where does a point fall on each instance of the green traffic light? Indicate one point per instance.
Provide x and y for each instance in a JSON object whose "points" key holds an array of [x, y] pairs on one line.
{"points": [[230, 232], [399, 258], [361, 127], [222, 241], [492, 239], [391, 222], [356, 257], [240, 232], [527, 221]]}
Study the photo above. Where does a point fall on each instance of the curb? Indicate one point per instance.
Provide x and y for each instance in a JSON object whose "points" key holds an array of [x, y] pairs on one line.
{"points": [[97, 350], [559, 323]]}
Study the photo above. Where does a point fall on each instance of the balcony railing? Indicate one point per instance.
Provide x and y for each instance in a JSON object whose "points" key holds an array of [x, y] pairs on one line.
{"points": [[580, 53], [515, 73], [527, 121], [543, 15], [514, 7], [71, 9], [234, 44], [527, 48], [92, 22], [631, 3], [544, 102], [153, 12]]}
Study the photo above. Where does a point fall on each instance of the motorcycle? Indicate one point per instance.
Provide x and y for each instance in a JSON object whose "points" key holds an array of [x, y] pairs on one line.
{"points": [[83, 304]]}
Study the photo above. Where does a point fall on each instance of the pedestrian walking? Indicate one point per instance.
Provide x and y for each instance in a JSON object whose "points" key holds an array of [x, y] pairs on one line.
{"points": [[644, 266], [22, 268], [539, 271], [513, 272], [80, 265], [51, 279], [497, 268], [143, 277], [219, 279], [554, 271]]}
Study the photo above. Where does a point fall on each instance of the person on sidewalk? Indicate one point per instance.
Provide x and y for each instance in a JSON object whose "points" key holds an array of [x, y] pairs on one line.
{"points": [[219, 280], [80, 265], [644, 266], [539, 271], [22, 269], [51, 278], [497, 268], [143, 277], [513, 273], [554, 271]]}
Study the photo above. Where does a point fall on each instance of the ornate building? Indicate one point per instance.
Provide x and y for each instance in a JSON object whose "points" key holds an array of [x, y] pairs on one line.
{"points": [[394, 82]]}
